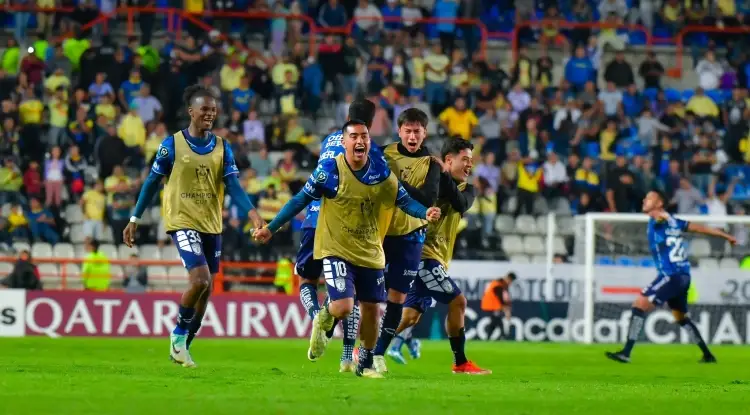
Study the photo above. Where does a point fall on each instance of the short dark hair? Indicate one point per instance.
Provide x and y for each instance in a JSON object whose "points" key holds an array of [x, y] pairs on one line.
{"points": [[455, 146], [351, 123], [662, 197], [512, 276], [194, 92], [413, 115], [362, 110], [94, 245]]}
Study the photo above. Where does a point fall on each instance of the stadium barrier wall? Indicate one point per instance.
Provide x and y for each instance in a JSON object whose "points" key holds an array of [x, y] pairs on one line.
{"points": [[676, 71]]}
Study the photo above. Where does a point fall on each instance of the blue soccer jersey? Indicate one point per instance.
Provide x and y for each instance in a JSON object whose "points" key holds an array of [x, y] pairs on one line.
{"points": [[324, 180], [165, 154], [667, 243]]}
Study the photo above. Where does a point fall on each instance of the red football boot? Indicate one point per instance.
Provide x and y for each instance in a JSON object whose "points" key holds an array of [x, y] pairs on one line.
{"points": [[470, 368]]}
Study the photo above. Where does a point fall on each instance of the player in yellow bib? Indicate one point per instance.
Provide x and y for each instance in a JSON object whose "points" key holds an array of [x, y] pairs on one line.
{"points": [[197, 166], [433, 282], [357, 193]]}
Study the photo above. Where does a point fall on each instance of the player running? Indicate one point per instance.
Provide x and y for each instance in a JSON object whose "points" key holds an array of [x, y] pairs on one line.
{"points": [[433, 282], [414, 346], [197, 166], [420, 176], [308, 268], [358, 193], [667, 244]]}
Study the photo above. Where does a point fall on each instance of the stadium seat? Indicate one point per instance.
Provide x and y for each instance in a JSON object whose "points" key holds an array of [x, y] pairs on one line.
{"points": [[324, 125], [700, 248], [504, 224], [21, 246], [672, 95], [5, 210], [124, 251], [108, 236], [117, 272], [41, 250], [169, 253], [149, 252], [565, 225], [558, 245], [76, 233], [716, 95], [73, 214], [710, 263], [540, 207], [5, 268], [519, 259], [512, 244], [80, 250], [177, 273], [541, 224], [534, 245], [625, 261], [539, 259], [646, 262], [605, 260], [525, 225], [109, 250], [157, 273], [48, 272], [63, 251], [729, 263]]}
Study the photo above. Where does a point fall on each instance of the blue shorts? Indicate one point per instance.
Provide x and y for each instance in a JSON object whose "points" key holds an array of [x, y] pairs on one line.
{"points": [[672, 290], [432, 285], [306, 266], [344, 280], [402, 258], [197, 249]]}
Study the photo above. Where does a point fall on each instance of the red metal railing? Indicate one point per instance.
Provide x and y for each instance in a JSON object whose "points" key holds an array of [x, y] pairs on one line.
{"points": [[676, 71], [347, 30], [67, 274], [569, 25]]}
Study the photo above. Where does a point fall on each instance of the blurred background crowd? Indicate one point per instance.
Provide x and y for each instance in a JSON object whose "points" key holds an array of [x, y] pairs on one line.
{"points": [[567, 119]]}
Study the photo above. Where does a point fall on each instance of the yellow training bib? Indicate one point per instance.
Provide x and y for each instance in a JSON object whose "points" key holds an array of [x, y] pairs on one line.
{"points": [[194, 193], [441, 235], [349, 225], [411, 170]]}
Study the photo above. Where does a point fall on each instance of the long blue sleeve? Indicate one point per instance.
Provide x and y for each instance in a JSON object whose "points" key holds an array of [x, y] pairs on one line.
{"points": [[237, 193], [411, 207], [148, 191], [290, 210]]}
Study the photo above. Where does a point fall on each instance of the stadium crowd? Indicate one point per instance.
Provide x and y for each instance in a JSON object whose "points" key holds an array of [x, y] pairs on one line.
{"points": [[82, 119]]}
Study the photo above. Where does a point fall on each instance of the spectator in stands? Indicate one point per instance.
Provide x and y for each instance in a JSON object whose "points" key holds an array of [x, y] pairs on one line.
{"points": [[332, 14], [11, 181], [41, 223], [622, 194], [651, 70], [709, 71], [75, 167], [578, 70], [529, 185], [716, 202], [410, 14], [448, 11], [555, 177], [254, 130], [703, 106], [132, 131], [135, 279], [521, 70], [482, 213], [458, 120], [608, 34], [702, 162], [368, 22], [24, 276], [436, 67], [619, 72], [32, 180], [54, 178], [95, 271], [487, 170], [587, 179], [58, 117], [120, 208], [94, 206], [10, 145], [611, 99], [260, 163], [649, 128], [100, 88], [673, 16], [130, 88], [618, 7], [149, 107], [687, 198], [288, 168], [645, 13]]}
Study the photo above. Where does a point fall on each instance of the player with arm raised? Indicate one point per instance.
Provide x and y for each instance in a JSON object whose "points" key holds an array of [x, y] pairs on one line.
{"points": [[433, 282], [419, 173], [357, 192], [667, 244], [308, 268], [197, 166]]}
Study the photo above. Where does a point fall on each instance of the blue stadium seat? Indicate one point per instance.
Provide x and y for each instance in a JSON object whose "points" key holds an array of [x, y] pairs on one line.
{"points": [[716, 95], [637, 38], [604, 260], [687, 94], [726, 94], [672, 95], [647, 262], [625, 261], [651, 93]]}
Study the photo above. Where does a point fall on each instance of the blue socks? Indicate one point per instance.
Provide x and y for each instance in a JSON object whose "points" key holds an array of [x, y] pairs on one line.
{"points": [[308, 296], [184, 320], [457, 347], [634, 330], [695, 335], [398, 342], [351, 329], [388, 326]]}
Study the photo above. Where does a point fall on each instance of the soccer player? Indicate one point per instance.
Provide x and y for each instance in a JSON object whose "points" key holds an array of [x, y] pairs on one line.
{"points": [[433, 282], [419, 173], [308, 268], [667, 244], [197, 166], [414, 346], [358, 193]]}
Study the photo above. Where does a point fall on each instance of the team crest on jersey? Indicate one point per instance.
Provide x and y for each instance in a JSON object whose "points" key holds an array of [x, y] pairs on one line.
{"points": [[447, 287], [366, 207], [196, 248], [321, 177], [202, 173], [406, 173], [163, 152], [340, 284]]}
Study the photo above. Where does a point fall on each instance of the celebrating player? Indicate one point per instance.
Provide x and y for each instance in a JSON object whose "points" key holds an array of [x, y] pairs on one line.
{"points": [[308, 268], [358, 193], [667, 245], [433, 282], [420, 176], [197, 165]]}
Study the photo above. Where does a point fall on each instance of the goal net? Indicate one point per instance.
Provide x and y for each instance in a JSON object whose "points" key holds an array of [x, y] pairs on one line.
{"points": [[612, 254]]}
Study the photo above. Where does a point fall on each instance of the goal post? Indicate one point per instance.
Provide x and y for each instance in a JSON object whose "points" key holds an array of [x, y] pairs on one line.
{"points": [[612, 261]]}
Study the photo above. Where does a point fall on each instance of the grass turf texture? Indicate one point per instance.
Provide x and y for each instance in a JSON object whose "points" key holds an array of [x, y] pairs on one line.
{"points": [[129, 376]]}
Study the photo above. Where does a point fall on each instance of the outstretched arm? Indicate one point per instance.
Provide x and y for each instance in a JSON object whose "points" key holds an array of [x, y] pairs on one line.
{"points": [[705, 230], [294, 206], [240, 197], [410, 206]]}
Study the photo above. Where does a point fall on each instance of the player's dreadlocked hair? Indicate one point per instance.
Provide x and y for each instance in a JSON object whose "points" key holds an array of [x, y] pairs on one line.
{"points": [[362, 110], [455, 145], [196, 91]]}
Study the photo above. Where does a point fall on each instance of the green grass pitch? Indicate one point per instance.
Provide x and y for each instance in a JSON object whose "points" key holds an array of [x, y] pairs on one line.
{"points": [[128, 376]]}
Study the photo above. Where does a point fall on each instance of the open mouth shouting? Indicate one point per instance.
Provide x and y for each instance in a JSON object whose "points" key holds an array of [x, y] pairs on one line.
{"points": [[467, 171], [412, 145], [208, 122], [360, 150]]}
